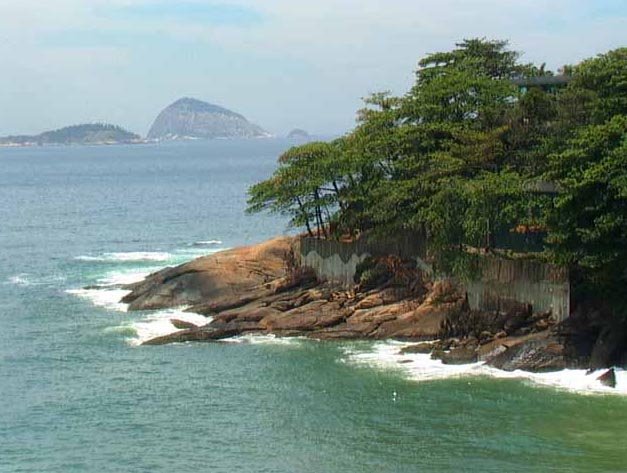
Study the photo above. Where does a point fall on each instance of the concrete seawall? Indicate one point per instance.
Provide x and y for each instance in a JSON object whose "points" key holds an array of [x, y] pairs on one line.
{"points": [[503, 283], [500, 284], [337, 261]]}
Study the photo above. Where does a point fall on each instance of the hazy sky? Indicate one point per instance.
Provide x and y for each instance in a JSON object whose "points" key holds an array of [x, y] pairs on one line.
{"points": [[281, 63]]}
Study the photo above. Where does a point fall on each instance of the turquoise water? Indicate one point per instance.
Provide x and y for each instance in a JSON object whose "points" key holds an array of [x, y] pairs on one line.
{"points": [[78, 395]]}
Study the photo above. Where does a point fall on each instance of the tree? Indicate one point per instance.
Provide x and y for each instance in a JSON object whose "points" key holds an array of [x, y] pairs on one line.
{"points": [[588, 224]]}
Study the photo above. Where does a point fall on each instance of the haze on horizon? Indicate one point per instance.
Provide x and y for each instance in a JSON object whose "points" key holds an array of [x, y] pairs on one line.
{"points": [[281, 63]]}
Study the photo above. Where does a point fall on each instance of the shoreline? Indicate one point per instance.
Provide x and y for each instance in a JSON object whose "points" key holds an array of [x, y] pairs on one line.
{"points": [[257, 291]]}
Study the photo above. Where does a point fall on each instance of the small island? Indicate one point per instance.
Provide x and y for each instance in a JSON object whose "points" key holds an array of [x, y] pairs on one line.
{"points": [[85, 134], [298, 134], [189, 119]]}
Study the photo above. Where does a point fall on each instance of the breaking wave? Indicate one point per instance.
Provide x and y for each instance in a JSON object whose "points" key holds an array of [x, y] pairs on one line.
{"points": [[420, 367], [131, 256]]}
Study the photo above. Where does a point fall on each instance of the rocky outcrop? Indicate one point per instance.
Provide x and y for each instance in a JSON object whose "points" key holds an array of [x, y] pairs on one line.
{"points": [[260, 289], [539, 354], [189, 118], [216, 282], [608, 378]]}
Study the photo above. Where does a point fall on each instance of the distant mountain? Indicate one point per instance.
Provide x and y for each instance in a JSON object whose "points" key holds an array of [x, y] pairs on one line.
{"points": [[87, 134], [189, 118], [298, 134]]}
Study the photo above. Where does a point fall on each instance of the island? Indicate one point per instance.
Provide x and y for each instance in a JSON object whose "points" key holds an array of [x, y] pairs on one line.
{"points": [[85, 134], [189, 118], [298, 134]]}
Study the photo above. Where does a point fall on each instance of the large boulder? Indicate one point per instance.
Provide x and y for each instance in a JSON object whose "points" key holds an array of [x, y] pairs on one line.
{"points": [[241, 275], [459, 356], [539, 354], [423, 323]]}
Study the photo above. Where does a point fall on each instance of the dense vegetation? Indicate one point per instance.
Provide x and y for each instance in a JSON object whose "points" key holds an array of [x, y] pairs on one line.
{"points": [[91, 133], [473, 156]]}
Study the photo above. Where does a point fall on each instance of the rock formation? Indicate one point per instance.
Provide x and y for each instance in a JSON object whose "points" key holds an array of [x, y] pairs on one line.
{"points": [[262, 289], [188, 118], [298, 134]]}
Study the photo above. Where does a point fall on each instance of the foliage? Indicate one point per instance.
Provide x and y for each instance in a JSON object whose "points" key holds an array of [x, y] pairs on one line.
{"points": [[463, 156]]}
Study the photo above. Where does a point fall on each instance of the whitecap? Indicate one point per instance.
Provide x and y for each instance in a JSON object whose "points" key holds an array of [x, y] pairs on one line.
{"points": [[159, 323], [420, 367], [105, 297], [132, 256], [265, 339], [26, 279], [19, 280], [126, 277], [207, 242]]}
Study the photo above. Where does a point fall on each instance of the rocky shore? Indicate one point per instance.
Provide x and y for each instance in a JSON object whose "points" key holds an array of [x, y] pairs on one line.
{"points": [[262, 289]]}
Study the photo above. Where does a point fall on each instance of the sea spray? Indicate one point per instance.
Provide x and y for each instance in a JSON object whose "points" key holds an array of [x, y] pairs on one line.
{"points": [[421, 368]]}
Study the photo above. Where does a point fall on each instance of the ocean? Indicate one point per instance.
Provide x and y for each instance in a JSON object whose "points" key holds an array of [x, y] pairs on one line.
{"points": [[79, 394]]}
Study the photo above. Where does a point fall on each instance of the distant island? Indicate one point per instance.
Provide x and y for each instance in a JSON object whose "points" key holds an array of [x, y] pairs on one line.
{"points": [[189, 118], [298, 134], [85, 134]]}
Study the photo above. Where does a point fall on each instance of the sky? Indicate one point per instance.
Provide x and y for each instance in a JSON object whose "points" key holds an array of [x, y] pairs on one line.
{"points": [[281, 63]]}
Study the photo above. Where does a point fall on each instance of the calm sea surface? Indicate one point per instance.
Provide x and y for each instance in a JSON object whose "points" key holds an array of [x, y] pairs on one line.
{"points": [[78, 395]]}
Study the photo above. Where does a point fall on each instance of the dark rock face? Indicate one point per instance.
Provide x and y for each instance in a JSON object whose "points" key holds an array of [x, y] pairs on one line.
{"points": [[536, 354], [608, 378], [191, 118], [459, 356]]}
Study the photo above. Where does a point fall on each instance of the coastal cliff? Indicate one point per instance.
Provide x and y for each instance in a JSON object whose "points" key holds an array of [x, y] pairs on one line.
{"points": [[262, 289]]}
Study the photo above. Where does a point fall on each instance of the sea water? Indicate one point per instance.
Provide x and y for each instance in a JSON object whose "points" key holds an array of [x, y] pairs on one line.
{"points": [[79, 394]]}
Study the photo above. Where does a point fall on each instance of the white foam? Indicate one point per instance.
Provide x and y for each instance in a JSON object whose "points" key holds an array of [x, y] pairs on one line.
{"points": [[420, 367], [125, 277], [128, 256], [103, 297], [159, 323], [26, 279], [269, 339], [20, 280], [207, 242]]}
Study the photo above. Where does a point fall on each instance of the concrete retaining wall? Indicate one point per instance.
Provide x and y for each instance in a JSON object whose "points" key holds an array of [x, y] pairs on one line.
{"points": [[337, 261], [501, 284], [505, 283]]}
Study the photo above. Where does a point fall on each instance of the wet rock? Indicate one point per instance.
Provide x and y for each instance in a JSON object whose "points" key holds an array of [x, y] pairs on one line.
{"points": [[536, 355], [193, 335], [609, 347], [608, 378], [422, 348], [459, 356], [183, 324], [490, 350]]}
